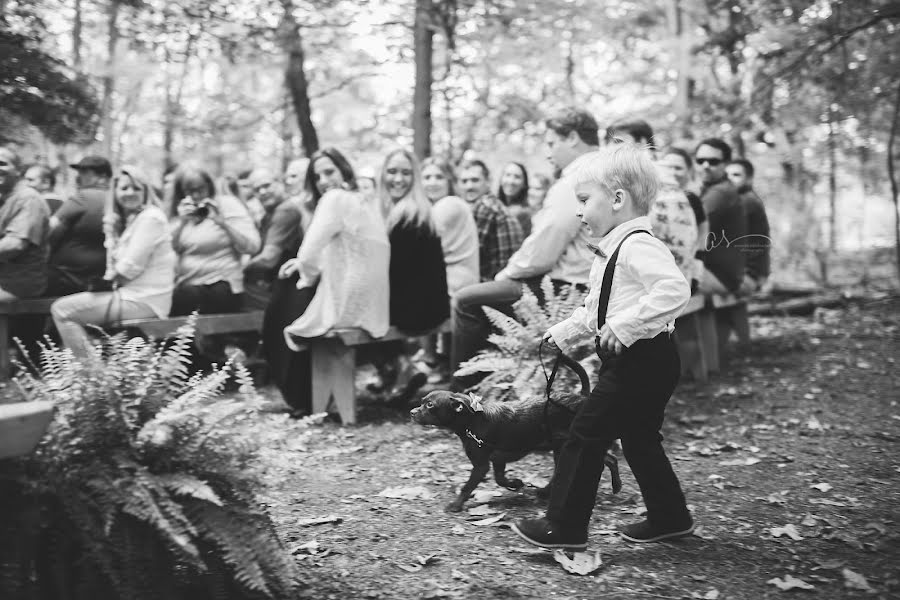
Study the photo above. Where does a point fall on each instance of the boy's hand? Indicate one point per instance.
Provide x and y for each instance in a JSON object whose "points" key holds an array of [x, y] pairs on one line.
{"points": [[549, 342], [609, 341]]}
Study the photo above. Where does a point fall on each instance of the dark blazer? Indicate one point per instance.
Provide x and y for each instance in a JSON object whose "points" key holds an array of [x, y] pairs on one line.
{"points": [[727, 230]]}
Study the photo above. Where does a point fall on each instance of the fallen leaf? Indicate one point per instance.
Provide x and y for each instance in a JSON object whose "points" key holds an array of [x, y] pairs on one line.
{"points": [[790, 583], [409, 568], [489, 520], [482, 496], [711, 595], [482, 510], [458, 530], [809, 521], [788, 530], [855, 581], [456, 574], [407, 493], [319, 521], [579, 563], [425, 560], [879, 527], [813, 423], [739, 462], [822, 487]]}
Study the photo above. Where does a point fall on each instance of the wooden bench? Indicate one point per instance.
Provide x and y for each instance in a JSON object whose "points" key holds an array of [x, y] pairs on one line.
{"points": [[703, 331], [155, 328], [25, 306], [333, 361]]}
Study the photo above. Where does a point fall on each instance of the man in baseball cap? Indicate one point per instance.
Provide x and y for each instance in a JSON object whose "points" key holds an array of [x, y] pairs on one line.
{"points": [[97, 164], [77, 255]]}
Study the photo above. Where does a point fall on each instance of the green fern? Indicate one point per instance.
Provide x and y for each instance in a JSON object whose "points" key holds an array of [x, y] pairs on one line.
{"points": [[142, 467], [513, 364]]}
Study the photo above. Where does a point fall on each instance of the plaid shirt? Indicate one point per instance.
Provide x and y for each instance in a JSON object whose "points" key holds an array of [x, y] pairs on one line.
{"points": [[499, 235]]}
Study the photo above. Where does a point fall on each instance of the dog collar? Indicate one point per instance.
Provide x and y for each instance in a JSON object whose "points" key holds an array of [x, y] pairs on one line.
{"points": [[475, 438]]}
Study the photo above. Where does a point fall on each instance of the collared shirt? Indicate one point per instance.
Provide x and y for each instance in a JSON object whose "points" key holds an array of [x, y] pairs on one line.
{"points": [[558, 242], [648, 291], [499, 235], [24, 215]]}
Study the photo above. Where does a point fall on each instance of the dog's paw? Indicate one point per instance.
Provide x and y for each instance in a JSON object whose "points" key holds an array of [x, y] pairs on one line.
{"points": [[454, 507], [513, 484]]}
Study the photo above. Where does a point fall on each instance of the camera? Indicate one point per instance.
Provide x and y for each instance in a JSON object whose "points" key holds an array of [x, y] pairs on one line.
{"points": [[202, 210]]}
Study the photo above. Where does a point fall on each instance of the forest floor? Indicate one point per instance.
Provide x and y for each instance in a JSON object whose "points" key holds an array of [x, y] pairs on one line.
{"points": [[790, 459]]}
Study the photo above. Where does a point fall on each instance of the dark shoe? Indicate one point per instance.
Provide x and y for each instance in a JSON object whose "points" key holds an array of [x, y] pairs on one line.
{"points": [[543, 533], [644, 532], [401, 396]]}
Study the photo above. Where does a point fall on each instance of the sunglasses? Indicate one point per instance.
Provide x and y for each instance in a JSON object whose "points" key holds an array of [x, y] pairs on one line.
{"points": [[713, 162]]}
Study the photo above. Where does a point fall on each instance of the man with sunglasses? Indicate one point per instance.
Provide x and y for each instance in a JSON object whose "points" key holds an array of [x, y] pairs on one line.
{"points": [[723, 258]]}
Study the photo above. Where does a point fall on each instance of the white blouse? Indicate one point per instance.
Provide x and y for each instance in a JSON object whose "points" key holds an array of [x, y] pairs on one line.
{"points": [[145, 257]]}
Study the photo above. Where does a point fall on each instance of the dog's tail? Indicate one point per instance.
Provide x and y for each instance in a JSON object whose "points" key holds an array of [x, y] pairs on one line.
{"points": [[576, 368]]}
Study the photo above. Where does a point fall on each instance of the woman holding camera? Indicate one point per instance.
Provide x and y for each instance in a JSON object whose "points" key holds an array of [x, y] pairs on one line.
{"points": [[140, 265], [210, 233]]}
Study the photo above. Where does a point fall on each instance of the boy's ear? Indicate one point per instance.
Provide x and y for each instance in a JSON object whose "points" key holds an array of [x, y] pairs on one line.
{"points": [[620, 197]]}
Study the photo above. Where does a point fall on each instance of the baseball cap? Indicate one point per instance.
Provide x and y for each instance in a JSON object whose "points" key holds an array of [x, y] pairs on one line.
{"points": [[94, 163]]}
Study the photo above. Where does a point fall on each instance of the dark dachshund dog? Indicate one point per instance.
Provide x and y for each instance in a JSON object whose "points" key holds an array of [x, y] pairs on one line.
{"points": [[497, 433]]}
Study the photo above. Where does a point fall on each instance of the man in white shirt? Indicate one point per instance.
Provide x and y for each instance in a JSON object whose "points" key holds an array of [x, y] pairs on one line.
{"points": [[557, 245]]}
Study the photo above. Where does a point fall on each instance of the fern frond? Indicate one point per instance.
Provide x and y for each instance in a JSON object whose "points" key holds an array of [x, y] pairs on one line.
{"points": [[183, 484]]}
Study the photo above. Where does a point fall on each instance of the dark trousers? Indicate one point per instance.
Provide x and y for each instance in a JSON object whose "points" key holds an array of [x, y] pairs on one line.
{"points": [[471, 326], [205, 299], [628, 403], [290, 370]]}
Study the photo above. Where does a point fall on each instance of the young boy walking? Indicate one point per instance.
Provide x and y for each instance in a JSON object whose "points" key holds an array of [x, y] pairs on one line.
{"points": [[636, 293]]}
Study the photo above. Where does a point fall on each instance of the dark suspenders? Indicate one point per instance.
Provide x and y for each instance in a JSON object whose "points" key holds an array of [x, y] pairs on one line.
{"points": [[606, 289]]}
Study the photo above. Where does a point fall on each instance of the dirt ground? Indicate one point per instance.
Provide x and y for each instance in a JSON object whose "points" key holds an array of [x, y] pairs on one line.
{"points": [[789, 459]]}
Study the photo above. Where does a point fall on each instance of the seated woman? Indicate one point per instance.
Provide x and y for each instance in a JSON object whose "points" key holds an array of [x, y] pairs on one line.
{"points": [[140, 265], [513, 193], [418, 273], [210, 233], [454, 223], [338, 279]]}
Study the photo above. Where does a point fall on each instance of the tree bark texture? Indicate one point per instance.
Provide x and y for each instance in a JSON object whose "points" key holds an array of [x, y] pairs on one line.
{"points": [[112, 26], [295, 78], [892, 173], [423, 44]]}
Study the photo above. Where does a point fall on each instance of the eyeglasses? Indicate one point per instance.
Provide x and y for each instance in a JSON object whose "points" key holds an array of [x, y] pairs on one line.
{"points": [[713, 162]]}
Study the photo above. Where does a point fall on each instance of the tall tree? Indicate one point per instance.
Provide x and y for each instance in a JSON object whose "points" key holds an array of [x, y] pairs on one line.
{"points": [[423, 47], [295, 77]]}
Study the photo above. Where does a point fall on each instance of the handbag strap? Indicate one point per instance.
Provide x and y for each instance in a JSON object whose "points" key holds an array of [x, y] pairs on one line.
{"points": [[606, 286]]}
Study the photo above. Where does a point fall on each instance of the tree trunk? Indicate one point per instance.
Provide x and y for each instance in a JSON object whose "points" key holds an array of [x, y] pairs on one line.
{"points": [[76, 36], [112, 17], [832, 184], [677, 19], [892, 173], [569, 67], [295, 78], [423, 41], [173, 101]]}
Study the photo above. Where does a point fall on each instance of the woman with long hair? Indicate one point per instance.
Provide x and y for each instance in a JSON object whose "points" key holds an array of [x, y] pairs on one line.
{"points": [[339, 277], [513, 193], [140, 265], [454, 223], [210, 234]]}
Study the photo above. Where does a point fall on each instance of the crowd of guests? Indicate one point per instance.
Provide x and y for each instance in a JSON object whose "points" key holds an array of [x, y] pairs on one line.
{"points": [[325, 246]]}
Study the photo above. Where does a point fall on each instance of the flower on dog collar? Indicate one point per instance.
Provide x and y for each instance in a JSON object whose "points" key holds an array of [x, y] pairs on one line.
{"points": [[475, 403]]}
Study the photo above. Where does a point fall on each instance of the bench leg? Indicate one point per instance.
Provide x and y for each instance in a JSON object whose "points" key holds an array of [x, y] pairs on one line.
{"points": [[732, 318], [688, 337], [709, 339], [333, 366], [4, 348]]}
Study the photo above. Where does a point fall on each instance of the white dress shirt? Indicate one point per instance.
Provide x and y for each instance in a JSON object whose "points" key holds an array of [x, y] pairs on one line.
{"points": [[557, 244], [648, 290]]}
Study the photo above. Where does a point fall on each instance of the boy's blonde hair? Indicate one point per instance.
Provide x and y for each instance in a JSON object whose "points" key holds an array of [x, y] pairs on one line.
{"points": [[622, 166]]}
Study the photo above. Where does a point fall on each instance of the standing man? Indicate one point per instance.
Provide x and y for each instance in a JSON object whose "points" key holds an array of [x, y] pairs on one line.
{"points": [[77, 253], [723, 259], [557, 245], [23, 233], [759, 244], [499, 233]]}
